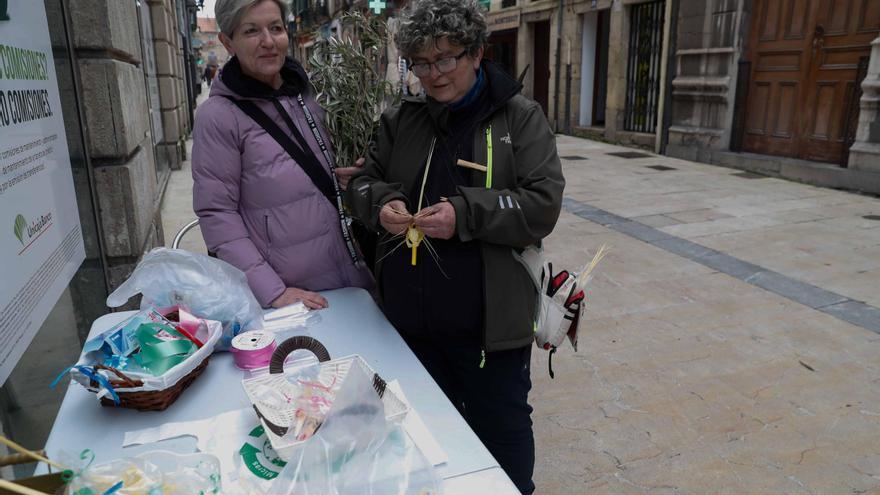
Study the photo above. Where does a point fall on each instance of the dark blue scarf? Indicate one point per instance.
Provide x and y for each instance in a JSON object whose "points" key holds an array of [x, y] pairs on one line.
{"points": [[472, 94]]}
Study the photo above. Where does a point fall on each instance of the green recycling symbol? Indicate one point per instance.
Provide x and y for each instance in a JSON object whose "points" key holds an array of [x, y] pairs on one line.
{"points": [[259, 456]]}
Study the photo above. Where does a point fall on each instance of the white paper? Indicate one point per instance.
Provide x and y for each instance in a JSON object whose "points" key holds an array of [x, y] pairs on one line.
{"points": [[222, 435], [291, 310], [418, 432]]}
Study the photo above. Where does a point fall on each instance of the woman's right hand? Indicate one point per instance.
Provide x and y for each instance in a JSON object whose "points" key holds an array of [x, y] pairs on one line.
{"points": [[394, 217], [312, 300]]}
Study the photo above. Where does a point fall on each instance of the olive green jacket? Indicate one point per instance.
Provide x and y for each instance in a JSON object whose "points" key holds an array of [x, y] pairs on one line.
{"points": [[514, 206]]}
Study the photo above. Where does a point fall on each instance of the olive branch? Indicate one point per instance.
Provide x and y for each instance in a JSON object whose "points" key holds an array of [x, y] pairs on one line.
{"points": [[349, 87]]}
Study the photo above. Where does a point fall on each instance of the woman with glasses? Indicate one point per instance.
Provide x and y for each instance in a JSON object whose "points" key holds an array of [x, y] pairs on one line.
{"points": [[270, 207], [473, 167]]}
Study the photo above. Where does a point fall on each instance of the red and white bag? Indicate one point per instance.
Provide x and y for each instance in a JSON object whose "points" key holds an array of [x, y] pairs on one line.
{"points": [[562, 299]]}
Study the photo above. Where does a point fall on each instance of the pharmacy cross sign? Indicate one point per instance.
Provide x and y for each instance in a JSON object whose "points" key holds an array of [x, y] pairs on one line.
{"points": [[376, 5]]}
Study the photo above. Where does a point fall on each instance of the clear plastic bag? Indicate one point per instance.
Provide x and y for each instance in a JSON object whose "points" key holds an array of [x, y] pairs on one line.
{"points": [[208, 287], [357, 451], [156, 472]]}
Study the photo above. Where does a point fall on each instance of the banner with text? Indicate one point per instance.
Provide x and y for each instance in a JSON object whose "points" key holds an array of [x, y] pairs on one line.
{"points": [[41, 243]]}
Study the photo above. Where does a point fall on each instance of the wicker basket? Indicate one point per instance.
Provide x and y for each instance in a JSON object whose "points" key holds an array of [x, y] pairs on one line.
{"points": [[143, 392], [149, 400]]}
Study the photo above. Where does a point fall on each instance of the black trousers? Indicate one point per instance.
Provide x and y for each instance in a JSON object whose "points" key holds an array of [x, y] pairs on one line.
{"points": [[493, 399]]}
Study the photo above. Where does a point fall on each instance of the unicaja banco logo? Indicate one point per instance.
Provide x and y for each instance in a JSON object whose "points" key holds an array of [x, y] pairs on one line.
{"points": [[20, 225], [27, 233]]}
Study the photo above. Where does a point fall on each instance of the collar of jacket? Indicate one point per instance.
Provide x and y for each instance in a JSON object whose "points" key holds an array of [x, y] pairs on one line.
{"points": [[293, 76], [500, 86]]}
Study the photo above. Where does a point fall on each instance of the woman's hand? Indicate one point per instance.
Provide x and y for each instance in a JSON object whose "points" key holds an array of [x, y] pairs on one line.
{"points": [[343, 174], [394, 217], [437, 220], [312, 300]]}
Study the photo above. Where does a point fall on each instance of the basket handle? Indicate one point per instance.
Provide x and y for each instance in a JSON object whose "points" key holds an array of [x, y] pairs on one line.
{"points": [[122, 376], [276, 364]]}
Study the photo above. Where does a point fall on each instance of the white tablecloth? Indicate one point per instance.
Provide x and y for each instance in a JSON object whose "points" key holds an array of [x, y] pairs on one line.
{"points": [[353, 324]]}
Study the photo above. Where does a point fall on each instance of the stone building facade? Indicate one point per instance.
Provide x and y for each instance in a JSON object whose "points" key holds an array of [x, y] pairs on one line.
{"points": [[579, 60], [774, 87], [135, 104]]}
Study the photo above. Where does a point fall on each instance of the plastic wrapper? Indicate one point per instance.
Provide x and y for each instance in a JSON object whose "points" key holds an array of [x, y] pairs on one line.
{"points": [[208, 287], [151, 473], [357, 451]]}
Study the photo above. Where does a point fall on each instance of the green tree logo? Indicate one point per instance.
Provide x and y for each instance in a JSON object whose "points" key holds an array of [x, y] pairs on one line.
{"points": [[20, 225], [4, 12]]}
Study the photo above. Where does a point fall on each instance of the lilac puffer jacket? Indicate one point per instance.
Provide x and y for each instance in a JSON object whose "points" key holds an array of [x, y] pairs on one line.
{"points": [[258, 210]]}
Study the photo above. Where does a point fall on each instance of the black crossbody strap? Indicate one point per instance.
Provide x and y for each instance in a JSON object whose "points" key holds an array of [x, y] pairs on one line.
{"points": [[307, 161]]}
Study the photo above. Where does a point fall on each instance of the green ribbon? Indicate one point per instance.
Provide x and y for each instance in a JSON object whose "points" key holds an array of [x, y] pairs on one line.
{"points": [[157, 355], [68, 474]]}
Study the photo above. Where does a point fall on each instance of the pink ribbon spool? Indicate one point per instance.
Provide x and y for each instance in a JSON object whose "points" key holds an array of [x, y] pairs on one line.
{"points": [[251, 350]]}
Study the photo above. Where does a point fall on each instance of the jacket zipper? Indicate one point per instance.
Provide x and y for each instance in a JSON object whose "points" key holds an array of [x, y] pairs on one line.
{"points": [[488, 186]]}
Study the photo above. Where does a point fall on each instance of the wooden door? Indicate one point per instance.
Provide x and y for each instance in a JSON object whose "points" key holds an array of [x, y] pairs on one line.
{"points": [[804, 56], [541, 59], [842, 34]]}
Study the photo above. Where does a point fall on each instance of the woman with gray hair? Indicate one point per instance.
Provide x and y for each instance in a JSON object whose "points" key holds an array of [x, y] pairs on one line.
{"points": [[473, 166], [265, 188]]}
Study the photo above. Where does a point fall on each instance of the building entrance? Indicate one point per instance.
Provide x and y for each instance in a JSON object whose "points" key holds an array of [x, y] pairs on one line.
{"points": [[804, 57], [501, 49], [541, 56], [594, 68]]}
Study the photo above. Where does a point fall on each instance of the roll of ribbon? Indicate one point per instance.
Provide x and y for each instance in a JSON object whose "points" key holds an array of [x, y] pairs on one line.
{"points": [[251, 350]]}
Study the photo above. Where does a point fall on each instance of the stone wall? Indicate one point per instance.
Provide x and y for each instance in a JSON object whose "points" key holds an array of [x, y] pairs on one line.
{"points": [[709, 42], [172, 90], [865, 152], [120, 143]]}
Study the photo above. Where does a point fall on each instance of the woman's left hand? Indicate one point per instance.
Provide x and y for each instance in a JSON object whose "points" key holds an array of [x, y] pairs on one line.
{"points": [[343, 174], [437, 220]]}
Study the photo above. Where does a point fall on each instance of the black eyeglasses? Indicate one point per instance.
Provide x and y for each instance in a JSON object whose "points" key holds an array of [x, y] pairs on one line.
{"points": [[443, 65]]}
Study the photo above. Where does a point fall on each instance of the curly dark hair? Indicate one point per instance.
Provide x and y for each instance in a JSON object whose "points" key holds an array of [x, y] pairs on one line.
{"points": [[462, 22]]}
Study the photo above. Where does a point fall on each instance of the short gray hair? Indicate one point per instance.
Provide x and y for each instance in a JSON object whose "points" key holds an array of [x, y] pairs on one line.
{"points": [[462, 22], [230, 12]]}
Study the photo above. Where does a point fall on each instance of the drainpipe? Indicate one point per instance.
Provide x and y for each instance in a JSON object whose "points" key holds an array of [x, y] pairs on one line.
{"points": [[557, 75]]}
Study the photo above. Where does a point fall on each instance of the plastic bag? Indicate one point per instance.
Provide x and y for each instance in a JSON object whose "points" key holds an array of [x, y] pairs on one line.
{"points": [[357, 452], [208, 287], [156, 472]]}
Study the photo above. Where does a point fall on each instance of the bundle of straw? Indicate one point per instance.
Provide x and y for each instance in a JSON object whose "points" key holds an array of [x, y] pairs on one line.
{"points": [[16, 488], [587, 273]]}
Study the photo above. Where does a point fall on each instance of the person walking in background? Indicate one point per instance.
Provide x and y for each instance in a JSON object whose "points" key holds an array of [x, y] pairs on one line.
{"points": [[210, 72], [468, 314], [270, 209]]}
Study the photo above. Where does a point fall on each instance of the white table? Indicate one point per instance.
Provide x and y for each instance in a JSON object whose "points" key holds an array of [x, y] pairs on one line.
{"points": [[352, 324]]}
